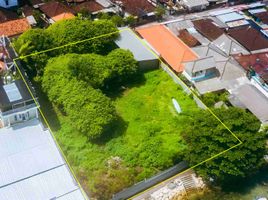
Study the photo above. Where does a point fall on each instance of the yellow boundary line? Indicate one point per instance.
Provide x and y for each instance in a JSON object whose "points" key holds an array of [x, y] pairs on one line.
{"points": [[161, 62]]}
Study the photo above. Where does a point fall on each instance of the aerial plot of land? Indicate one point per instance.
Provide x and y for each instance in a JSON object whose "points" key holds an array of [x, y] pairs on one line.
{"points": [[99, 100]]}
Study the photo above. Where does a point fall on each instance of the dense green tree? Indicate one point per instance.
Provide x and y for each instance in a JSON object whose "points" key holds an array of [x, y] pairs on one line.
{"points": [[122, 64], [207, 137], [91, 112], [62, 33]]}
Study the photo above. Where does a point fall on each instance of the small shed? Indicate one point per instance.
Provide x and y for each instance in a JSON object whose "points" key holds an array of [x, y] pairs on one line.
{"points": [[129, 40]]}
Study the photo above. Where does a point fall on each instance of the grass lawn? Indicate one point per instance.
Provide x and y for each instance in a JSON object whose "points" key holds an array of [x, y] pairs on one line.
{"points": [[146, 138]]}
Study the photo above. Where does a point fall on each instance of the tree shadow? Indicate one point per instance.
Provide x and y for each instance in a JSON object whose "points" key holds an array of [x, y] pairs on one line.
{"points": [[245, 185], [46, 108], [117, 129], [117, 90]]}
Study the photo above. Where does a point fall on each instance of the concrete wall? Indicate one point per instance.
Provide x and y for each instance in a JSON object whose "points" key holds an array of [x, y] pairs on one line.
{"points": [[148, 64], [15, 118]]}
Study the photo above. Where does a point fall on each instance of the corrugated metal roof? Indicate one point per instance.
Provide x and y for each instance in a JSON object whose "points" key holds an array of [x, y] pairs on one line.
{"points": [[128, 40], [195, 3], [51, 184], [31, 167], [257, 103], [255, 11], [200, 64], [221, 12], [229, 17], [229, 46]]}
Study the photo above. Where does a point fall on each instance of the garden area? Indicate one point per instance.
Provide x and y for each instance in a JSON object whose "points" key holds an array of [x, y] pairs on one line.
{"points": [[117, 125], [146, 138]]}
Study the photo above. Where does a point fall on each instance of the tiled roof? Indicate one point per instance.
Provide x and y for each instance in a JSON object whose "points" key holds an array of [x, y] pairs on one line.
{"points": [[247, 61], [137, 7], [63, 16], [249, 37], [14, 27], [6, 15], [91, 6], [208, 29], [263, 17], [56, 10], [188, 39], [170, 47], [27, 10]]}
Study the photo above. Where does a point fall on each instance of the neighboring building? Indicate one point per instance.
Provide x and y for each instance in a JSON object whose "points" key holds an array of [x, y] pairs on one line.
{"points": [[229, 46], [32, 167], [250, 38], [230, 17], [194, 5], [91, 6], [200, 69], [168, 46], [188, 39], [14, 27], [6, 15], [248, 97], [207, 28], [9, 3], [55, 11], [16, 103], [256, 66], [129, 41], [139, 8]]}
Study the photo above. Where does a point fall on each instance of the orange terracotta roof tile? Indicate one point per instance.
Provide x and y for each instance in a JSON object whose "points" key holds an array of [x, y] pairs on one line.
{"points": [[63, 16], [171, 48], [14, 27]]}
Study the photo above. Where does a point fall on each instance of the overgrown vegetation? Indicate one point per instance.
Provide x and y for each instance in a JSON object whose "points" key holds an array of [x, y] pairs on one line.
{"points": [[117, 125]]}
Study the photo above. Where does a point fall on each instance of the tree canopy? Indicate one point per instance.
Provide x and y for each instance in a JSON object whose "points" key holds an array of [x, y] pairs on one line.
{"points": [[90, 111], [73, 82], [206, 137], [62, 33]]}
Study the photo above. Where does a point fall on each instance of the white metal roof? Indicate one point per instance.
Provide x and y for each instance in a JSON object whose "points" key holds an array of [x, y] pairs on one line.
{"points": [[229, 17], [221, 12], [12, 92], [31, 167], [45, 186], [257, 10], [129, 41]]}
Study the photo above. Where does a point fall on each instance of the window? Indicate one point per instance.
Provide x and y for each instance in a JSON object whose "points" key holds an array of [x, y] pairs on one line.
{"points": [[7, 2]]}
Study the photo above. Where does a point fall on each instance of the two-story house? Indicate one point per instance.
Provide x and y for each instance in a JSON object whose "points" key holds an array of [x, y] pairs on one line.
{"points": [[16, 103]]}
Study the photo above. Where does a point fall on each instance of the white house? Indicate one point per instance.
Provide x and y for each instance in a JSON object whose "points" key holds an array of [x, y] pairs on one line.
{"points": [[16, 103], [9, 3]]}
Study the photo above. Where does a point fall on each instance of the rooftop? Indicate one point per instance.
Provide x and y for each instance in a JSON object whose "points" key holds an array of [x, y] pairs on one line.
{"points": [[229, 46], [13, 94], [194, 3], [57, 11], [200, 64], [137, 7], [14, 27], [188, 39], [91, 6], [6, 15], [256, 103], [229, 17], [208, 28], [32, 167], [129, 41], [170, 47], [249, 37], [263, 16], [247, 61]]}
